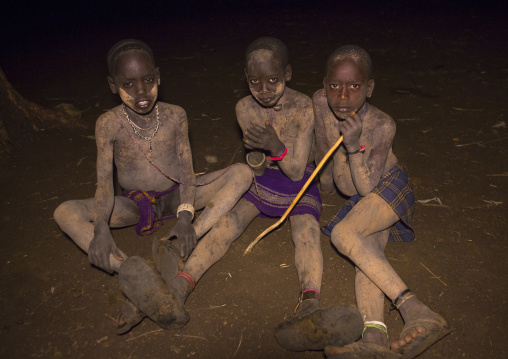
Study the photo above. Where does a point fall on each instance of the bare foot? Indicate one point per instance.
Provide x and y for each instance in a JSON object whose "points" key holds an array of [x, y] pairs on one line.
{"points": [[422, 328]]}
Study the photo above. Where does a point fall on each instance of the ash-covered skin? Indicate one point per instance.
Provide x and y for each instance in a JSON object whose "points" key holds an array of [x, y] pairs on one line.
{"points": [[268, 131], [340, 109], [88, 222], [267, 77]]}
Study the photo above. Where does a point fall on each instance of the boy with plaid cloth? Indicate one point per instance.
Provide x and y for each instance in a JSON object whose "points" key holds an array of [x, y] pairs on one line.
{"points": [[380, 208]]}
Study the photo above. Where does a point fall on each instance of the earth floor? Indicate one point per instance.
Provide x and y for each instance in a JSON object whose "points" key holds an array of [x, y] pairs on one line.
{"points": [[444, 85]]}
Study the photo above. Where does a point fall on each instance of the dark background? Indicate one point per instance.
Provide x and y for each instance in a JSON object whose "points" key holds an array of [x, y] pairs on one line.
{"points": [[441, 72]]}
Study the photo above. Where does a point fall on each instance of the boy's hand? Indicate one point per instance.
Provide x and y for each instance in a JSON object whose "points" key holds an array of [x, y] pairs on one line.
{"points": [[184, 231], [263, 138], [101, 246], [351, 129]]}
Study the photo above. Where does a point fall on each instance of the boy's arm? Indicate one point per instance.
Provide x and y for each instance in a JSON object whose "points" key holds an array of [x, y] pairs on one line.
{"points": [[183, 229], [294, 163], [326, 174], [102, 244], [366, 171]]}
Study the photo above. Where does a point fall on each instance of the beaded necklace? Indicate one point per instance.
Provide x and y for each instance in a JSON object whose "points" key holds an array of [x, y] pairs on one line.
{"points": [[135, 127]]}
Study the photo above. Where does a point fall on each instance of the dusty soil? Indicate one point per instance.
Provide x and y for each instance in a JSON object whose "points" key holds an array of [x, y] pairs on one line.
{"points": [[440, 73]]}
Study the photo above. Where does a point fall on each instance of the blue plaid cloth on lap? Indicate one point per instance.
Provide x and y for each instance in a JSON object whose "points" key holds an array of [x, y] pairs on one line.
{"points": [[394, 187]]}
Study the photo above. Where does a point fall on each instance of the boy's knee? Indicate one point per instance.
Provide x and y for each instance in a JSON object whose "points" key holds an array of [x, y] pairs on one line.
{"points": [[68, 212], [341, 240], [243, 175], [61, 212]]}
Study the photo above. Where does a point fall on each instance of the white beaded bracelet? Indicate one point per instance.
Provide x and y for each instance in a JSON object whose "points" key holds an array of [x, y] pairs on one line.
{"points": [[185, 207]]}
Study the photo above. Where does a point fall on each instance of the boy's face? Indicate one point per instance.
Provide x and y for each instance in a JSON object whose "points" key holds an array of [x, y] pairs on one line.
{"points": [[136, 81], [266, 77], [347, 85]]}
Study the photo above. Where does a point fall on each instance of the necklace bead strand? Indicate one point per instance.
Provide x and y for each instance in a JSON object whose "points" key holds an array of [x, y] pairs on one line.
{"points": [[135, 127]]}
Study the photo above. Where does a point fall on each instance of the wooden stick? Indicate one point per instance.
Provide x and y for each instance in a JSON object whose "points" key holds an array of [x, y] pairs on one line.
{"points": [[298, 196]]}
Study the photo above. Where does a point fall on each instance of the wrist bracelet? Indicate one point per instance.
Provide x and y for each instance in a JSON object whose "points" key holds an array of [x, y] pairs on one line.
{"points": [[280, 156], [360, 150], [255, 165], [185, 207]]}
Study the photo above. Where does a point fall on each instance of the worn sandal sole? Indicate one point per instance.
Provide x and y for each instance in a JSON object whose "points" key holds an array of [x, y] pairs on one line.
{"points": [[334, 326], [167, 260], [130, 316], [148, 291], [432, 336]]}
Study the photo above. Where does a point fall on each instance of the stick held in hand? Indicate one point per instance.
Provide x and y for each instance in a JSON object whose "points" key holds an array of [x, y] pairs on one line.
{"points": [[298, 196]]}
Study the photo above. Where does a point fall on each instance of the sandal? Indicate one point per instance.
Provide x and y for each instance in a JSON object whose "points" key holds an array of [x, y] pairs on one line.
{"points": [[148, 291], [167, 259], [129, 318], [333, 326], [435, 330]]}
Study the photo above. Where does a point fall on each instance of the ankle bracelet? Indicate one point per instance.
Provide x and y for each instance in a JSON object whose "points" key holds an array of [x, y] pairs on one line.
{"points": [[375, 324], [403, 296], [188, 277], [307, 294]]}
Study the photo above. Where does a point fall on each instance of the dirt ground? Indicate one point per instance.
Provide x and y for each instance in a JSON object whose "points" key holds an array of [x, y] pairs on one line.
{"points": [[441, 73]]}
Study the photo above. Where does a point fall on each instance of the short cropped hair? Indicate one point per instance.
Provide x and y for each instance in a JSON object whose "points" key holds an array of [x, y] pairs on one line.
{"points": [[126, 45], [353, 52], [276, 46]]}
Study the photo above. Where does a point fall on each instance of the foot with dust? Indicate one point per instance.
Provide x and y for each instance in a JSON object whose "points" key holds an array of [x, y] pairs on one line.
{"points": [[422, 328], [316, 329]]}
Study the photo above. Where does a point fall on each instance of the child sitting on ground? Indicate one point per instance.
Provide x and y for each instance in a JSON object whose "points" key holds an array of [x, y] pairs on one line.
{"points": [[148, 142], [379, 210]]}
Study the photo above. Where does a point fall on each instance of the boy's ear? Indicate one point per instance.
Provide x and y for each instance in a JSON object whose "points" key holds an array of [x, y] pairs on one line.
{"points": [[370, 87], [288, 73], [112, 85], [246, 74], [325, 86], [157, 73]]}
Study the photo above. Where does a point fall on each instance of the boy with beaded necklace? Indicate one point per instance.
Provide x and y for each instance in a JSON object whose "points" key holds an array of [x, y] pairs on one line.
{"points": [[148, 142]]}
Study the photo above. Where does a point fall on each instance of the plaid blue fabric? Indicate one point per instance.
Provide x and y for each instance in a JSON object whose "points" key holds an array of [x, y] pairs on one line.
{"points": [[277, 192], [395, 188]]}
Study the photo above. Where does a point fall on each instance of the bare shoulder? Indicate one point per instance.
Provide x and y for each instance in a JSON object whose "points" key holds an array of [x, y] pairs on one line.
{"points": [[319, 98], [297, 99], [378, 120], [108, 123], [245, 103], [171, 113]]}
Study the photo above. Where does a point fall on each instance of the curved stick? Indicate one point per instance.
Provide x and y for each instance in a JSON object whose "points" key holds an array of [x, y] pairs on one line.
{"points": [[298, 196]]}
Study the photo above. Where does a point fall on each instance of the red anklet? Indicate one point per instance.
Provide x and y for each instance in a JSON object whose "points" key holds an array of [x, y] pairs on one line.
{"points": [[188, 277]]}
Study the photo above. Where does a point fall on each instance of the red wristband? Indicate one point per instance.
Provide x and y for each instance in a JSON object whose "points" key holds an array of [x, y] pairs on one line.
{"points": [[360, 150], [281, 156]]}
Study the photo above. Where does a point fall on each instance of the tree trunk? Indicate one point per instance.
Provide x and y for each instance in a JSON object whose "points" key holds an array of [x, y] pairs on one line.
{"points": [[18, 115]]}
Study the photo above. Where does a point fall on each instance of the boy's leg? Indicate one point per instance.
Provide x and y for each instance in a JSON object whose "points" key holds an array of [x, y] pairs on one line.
{"points": [[308, 260], [220, 196], [372, 214], [217, 193], [76, 217], [178, 285], [313, 328], [370, 299], [210, 249], [370, 303]]}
